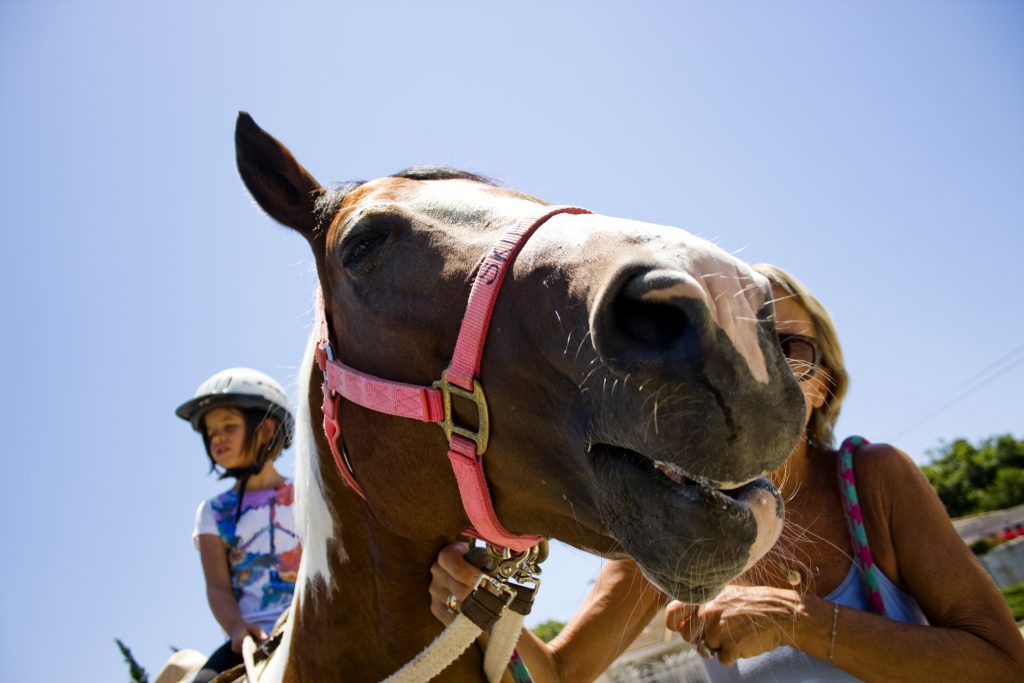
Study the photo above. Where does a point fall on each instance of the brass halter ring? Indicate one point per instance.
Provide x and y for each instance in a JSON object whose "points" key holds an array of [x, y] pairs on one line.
{"points": [[482, 433]]}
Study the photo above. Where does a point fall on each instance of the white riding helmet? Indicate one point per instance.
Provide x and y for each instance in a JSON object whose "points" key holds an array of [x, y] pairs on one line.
{"points": [[239, 388]]}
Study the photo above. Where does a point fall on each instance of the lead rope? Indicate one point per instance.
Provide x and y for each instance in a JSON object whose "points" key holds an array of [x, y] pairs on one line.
{"points": [[445, 649], [855, 523], [499, 603], [502, 645], [524, 569]]}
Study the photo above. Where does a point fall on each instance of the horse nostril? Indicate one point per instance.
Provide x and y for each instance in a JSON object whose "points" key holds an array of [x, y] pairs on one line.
{"points": [[650, 323], [651, 308]]}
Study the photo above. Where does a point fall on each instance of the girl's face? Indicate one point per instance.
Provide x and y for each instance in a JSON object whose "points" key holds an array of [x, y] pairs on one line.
{"points": [[225, 429], [792, 318]]}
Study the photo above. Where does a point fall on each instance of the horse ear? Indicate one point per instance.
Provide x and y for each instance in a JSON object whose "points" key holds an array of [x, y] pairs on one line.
{"points": [[278, 183]]}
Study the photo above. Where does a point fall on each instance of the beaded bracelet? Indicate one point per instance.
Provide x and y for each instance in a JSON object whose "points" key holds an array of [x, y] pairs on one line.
{"points": [[835, 621]]}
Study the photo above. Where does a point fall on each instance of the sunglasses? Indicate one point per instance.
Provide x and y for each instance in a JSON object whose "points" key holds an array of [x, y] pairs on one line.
{"points": [[802, 354]]}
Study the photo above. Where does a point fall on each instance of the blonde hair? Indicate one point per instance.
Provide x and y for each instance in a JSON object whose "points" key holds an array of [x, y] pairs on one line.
{"points": [[823, 419]]}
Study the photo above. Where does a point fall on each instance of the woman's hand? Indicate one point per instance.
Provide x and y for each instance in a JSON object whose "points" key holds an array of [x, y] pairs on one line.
{"points": [[743, 621], [451, 575], [243, 629]]}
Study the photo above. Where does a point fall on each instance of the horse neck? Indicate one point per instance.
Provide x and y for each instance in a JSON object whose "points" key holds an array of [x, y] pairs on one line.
{"points": [[362, 609], [375, 615]]}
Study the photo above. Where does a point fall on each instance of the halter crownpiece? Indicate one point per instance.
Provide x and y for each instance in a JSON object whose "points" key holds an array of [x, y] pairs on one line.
{"points": [[433, 403]]}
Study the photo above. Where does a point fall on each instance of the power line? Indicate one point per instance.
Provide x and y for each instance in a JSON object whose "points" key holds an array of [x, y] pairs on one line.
{"points": [[980, 379]]}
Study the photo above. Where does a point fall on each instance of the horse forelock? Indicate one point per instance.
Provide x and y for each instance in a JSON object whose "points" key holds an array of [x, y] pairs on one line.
{"points": [[329, 203]]}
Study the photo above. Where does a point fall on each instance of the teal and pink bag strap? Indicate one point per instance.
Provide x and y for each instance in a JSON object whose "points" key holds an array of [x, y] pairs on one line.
{"points": [[855, 523]]}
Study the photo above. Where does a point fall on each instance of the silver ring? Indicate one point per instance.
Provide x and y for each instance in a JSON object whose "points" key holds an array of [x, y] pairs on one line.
{"points": [[452, 603]]}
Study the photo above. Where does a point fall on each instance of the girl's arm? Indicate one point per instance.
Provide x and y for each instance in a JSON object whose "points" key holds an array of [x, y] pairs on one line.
{"points": [[617, 608], [219, 594]]}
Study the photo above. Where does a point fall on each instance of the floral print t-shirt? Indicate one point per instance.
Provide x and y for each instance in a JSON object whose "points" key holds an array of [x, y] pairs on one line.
{"points": [[263, 548]]}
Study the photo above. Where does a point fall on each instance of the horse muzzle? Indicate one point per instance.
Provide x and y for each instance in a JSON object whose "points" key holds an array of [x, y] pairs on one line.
{"points": [[689, 537]]}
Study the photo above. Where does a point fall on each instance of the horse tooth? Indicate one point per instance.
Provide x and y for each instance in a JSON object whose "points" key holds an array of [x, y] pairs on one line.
{"points": [[671, 472]]}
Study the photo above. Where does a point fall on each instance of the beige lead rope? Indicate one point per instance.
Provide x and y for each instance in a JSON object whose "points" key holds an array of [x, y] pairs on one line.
{"points": [[441, 653], [504, 637], [499, 603]]}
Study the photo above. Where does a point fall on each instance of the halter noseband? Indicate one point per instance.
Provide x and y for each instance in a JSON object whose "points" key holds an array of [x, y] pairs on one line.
{"points": [[433, 403]]}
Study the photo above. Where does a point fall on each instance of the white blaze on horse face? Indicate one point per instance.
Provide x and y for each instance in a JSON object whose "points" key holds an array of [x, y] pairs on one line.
{"points": [[731, 291]]}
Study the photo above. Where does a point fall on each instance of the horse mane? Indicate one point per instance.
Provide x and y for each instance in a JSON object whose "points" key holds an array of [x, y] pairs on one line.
{"points": [[442, 173], [312, 510]]}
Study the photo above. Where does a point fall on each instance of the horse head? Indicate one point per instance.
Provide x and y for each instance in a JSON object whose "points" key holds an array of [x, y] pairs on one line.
{"points": [[635, 387]]}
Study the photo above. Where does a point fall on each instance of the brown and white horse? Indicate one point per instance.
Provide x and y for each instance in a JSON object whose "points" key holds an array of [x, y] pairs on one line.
{"points": [[635, 387]]}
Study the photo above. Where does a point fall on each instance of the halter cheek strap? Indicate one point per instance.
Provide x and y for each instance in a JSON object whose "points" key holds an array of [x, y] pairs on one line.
{"points": [[433, 404]]}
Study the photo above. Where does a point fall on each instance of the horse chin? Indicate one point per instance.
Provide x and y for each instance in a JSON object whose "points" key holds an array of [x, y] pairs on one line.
{"points": [[689, 537]]}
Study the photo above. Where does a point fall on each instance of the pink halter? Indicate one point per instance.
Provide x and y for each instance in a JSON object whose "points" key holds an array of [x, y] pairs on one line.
{"points": [[433, 403]]}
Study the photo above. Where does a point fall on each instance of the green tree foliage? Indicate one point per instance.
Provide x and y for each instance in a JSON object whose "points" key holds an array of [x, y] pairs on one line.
{"points": [[1014, 595], [548, 630], [971, 479], [137, 673], [981, 546]]}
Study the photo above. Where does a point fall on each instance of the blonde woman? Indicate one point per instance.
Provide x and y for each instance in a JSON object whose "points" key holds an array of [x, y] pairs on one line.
{"points": [[870, 581]]}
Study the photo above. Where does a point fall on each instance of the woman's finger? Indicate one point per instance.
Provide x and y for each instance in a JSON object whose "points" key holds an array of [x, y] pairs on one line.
{"points": [[446, 585], [688, 619], [679, 614], [727, 655], [438, 592], [451, 560], [440, 612], [714, 636]]}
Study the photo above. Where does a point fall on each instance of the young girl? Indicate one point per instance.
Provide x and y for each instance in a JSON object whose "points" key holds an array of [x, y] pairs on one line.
{"points": [[245, 536]]}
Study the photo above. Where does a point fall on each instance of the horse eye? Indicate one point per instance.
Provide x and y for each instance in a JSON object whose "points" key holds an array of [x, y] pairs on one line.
{"points": [[361, 246]]}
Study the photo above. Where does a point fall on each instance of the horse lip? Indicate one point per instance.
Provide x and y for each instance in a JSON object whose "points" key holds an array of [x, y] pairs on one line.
{"points": [[667, 527], [750, 493], [680, 476], [729, 495]]}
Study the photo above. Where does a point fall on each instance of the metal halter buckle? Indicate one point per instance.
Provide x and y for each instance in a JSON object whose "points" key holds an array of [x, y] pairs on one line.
{"points": [[506, 565], [328, 357], [478, 437], [497, 587], [513, 578]]}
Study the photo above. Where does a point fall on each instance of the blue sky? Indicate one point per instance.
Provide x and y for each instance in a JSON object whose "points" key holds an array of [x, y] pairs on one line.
{"points": [[875, 149]]}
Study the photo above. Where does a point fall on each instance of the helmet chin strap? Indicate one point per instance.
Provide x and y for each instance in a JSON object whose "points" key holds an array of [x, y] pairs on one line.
{"points": [[242, 474], [242, 481]]}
